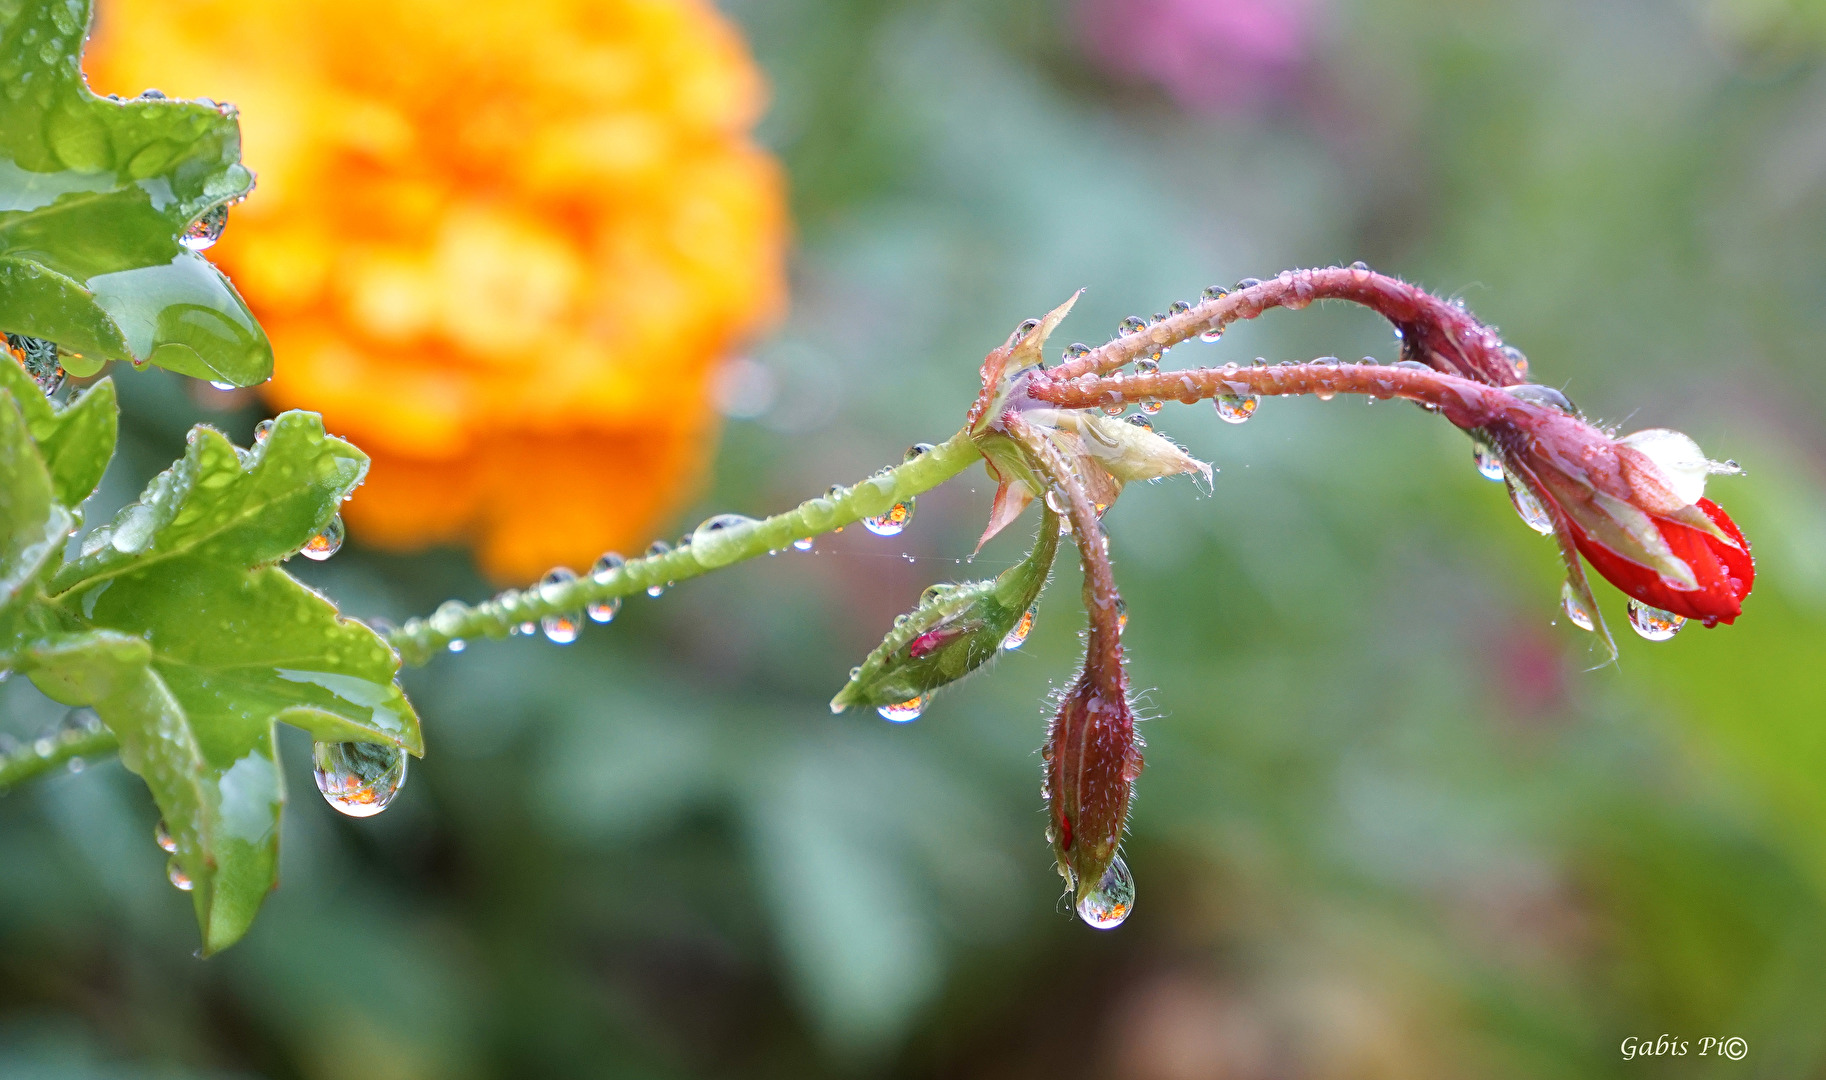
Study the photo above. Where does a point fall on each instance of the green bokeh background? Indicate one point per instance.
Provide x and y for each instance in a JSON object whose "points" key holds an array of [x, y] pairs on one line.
{"points": [[1392, 824]]}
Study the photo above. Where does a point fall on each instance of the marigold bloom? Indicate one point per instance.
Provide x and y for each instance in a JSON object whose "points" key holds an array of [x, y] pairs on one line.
{"points": [[501, 247]]}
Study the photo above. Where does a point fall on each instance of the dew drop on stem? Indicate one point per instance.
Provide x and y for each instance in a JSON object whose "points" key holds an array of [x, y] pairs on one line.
{"points": [[892, 521], [162, 836], [603, 611], [206, 229], [179, 879], [1532, 512], [358, 778], [1236, 408], [561, 628], [1575, 607]]}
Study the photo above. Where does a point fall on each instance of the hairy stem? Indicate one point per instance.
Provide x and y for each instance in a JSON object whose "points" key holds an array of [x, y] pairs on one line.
{"points": [[54, 752], [422, 638], [1103, 646], [1437, 333], [1467, 403]]}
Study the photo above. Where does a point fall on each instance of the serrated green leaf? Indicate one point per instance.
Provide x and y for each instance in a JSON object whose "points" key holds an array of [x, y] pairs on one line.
{"points": [[955, 630], [220, 503], [33, 524], [94, 194], [218, 789], [76, 440], [190, 643]]}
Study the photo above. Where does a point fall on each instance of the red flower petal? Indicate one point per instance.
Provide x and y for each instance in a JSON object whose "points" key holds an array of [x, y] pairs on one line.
{"points": [[1725, 573]]}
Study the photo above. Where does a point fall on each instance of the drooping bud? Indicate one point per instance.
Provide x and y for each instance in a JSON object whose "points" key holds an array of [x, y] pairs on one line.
{"points": [[955, 630], [1092, 757]]}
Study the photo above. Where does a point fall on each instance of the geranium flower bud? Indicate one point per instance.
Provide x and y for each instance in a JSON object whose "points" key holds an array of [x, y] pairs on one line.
{"points": [[1634, 507]]}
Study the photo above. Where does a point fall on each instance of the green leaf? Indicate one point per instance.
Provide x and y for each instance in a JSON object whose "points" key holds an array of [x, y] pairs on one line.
{"points": [[76, 440], [190, 643], [220, 503], [94, 194], [955, 630], [33, 524]]}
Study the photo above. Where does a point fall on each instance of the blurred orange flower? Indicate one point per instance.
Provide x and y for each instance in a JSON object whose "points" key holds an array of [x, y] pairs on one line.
{"points": [[500, 246]]}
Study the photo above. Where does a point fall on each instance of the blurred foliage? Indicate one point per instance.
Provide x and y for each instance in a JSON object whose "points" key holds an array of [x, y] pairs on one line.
{"points": [[1391, 825]]}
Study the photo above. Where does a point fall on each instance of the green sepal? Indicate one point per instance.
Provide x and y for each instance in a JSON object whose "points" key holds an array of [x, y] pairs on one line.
{"points": [[94, 194], [76, 440], [962, 625]]}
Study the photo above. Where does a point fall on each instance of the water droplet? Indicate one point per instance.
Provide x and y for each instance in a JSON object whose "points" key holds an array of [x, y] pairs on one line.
{"points": [[1132, 325], [1142, 422], [804, 543], [1515, 357], [917, 449], [1537, 394], [560, 628], [603, 611], [1575, 607], [262, 431], [358, 778], [1076, 349], [1027, 326], [892, 521], [1147, 366], [1215, 292], [1178, 307], [1359, 265], [179, 879], [1107, 905], [1236, 408], [1212, 335], [457, 645], [1151, 406], [1122, 613], [326, 543], [1654, 623], [1530, 508], [207, 229], [1018, 635], [222, 384], [162, 836], [1488, 464], [1114, 408], [904, 712]]}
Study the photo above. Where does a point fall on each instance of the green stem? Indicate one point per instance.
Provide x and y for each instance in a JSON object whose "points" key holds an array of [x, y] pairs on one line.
{"points": [[422, 638], [54, 752]]}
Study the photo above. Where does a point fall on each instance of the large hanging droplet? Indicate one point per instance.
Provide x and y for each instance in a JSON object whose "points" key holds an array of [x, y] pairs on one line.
{"points": [[561, 628], [179, 879], [603, 611], [358, 778], [1530, 509], [904, 712], [892, 521], [1107, 905], [1653, 623], [162, 836], [1488, 464], [207, 229], [1575, 607], [1236, 408], [1017, 636], [326, 543]]}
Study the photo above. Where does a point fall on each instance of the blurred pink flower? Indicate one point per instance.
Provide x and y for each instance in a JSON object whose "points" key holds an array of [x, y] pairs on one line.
{"points": [[1209, 55]]}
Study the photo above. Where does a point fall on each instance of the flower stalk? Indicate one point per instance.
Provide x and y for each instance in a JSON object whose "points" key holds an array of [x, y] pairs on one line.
{"points": [[419, 639]]}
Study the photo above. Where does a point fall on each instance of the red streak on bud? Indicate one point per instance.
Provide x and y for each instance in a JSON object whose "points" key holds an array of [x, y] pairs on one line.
{"points": [[932, 640]]}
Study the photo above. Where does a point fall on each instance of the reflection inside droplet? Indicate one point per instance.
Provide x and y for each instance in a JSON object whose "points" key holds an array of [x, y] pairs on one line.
{"points": [[358, 778]]}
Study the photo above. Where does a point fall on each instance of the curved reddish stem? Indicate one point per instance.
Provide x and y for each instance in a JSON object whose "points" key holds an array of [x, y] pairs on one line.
{"points": [[1433, 331], [1103, 646], [1465, 402]]}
